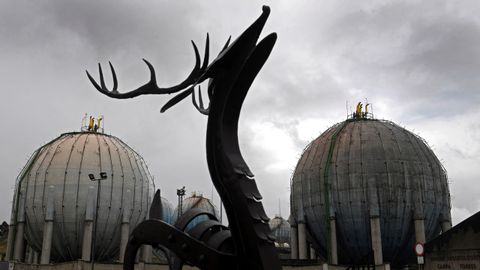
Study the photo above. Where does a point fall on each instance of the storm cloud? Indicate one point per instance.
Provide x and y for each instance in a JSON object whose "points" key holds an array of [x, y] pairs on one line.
{"points": [[415, 61]]}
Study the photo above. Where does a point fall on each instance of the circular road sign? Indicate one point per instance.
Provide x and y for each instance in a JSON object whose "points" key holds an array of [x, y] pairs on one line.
{"points": [[419, 249]]}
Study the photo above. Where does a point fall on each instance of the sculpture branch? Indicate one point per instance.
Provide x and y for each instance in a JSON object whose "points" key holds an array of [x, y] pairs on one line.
{"points": [[151, 87]]}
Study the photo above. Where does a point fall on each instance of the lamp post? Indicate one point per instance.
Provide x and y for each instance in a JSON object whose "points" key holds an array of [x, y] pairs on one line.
{"points": [[103, 176]]}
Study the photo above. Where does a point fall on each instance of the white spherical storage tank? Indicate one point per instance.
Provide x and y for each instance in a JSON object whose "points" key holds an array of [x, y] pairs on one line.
{"points": [[74, 172]]}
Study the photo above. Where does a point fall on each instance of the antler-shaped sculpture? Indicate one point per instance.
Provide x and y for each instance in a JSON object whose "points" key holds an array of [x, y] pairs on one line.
{"points": [[151, 86], [248, 244]]}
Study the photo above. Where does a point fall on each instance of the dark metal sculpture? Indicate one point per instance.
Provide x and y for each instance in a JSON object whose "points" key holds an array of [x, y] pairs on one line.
{"points": [[247, 243]]}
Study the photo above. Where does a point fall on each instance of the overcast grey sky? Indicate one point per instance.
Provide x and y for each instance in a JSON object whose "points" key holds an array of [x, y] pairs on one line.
{"points": [[416, 61]]}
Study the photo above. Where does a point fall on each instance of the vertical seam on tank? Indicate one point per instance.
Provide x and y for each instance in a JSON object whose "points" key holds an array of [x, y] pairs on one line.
{"points": [[78, 179], [303, 163], [134, 183], [122, 171], [26, 172], [149, 185], [338, 209], [118, 218], [418, 155], [142, 182], [35, 190], [321, 187], [105, 250], [438, 187], [144, 179], [45, 184], [121, 147], [122, 200], [34, 210], [366, 198], [100, 183], [316, 214], [391, 240], [311, 156], [124, 203], [350, 136], [327, 187], [64, 183], [431, 160], [404, 235]]}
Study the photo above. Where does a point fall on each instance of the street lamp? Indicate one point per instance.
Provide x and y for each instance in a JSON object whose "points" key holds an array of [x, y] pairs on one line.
{"points": [[103, 176]]}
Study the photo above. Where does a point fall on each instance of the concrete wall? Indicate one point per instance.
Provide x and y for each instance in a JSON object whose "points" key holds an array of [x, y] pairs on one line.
{"points": [[80, 265]]}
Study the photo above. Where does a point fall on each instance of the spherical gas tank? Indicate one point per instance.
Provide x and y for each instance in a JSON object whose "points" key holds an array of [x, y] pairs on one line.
{"points": [[196, 201], [281, 230], [362, 169], [78, 170], [168, 210]]}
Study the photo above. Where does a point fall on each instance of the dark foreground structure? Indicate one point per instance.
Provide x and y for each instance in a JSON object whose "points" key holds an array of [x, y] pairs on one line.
{"points": [[247, 243], [458, 248]]}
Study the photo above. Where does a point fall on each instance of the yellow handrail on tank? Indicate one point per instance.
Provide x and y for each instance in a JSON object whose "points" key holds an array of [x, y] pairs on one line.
{"points": [[91, 123]]}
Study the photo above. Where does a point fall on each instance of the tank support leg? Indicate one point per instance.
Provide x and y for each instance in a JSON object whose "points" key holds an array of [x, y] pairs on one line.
{"points": [[35, 257], [333, 241], [419, 231], [294, 242], [88, 226], [312, 253], [125, 229], [29, 255], [376, 240], [47, 242], [302, 241], [446, 225], [19, 249], [87, 240], [48, 227], [147, 253], [11, 240]]}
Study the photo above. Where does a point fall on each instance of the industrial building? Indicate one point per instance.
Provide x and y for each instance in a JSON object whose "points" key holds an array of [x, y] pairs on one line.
{"points": [[364, 192], [458, 248]]}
